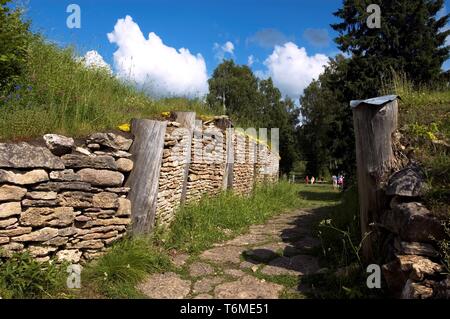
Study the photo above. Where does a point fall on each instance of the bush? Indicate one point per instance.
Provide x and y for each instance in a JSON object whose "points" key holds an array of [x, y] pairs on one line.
{"points": [[21, 276]]}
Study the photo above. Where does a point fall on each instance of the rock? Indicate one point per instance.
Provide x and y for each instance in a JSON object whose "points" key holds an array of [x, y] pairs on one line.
{"points": [[101, 177], [418, 267], [124, 207], [23, 155], [92, 236], [395, 278], [56, 241], [409, 182], [89, 244], [199, 269], [10, 209], [94, 146], [234, 272], [248, 287], [64, 186], [23, 178], [15, 231], [69, 255], [165, 286], [83, 151], [297, 265], [76, 199], [8, 250], [39, 203], [124, 165], [69, 231], [118, 190], [67, 175], [179, 259], [413, 222], [11, 193], [40, 251], [105, 200], [58, 144], [225, 254], [42, 195], [4, 240], [260, 255], [206, 284], [415, 248], [203, 296], [118, 154], [413, 290], [82, 161], [107, 222], [110, 140], [39, 217], [43, 234], [7, 222]]}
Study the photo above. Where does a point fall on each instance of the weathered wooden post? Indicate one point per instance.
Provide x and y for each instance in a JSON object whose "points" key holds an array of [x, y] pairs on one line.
{"points": [[374, 122], [187, 121], [147, 150]]}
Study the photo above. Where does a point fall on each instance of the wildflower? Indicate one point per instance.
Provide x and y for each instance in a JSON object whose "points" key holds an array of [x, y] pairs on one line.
{"points": [[125, 127], [165, 114]]}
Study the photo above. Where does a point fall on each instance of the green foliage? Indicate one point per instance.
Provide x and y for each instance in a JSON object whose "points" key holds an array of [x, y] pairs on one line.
{"points": [[21, 276], [250, 102], [198, 226], [116, 274], [14, 39]]}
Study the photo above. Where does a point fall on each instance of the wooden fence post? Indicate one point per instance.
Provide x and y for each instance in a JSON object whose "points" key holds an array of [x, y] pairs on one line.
{"points": [[147, 150], [374, 122]]}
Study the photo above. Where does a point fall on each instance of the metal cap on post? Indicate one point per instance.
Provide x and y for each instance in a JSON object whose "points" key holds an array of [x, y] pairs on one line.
{"points": [[374, 121]]}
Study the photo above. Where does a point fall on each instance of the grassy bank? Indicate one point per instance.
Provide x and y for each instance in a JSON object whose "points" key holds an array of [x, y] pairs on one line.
{"points": [[57, 93]]}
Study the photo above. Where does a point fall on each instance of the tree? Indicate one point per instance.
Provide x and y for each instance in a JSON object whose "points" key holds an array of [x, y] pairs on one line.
{"points": [[14, 39], [411, 40]]}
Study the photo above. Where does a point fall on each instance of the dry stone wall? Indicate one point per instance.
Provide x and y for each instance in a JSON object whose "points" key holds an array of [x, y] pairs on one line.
{"points": [[68, 199], [62, 198]]}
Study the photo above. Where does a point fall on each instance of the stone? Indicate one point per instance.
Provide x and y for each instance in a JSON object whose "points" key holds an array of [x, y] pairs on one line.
{"points": [[165, 286], [107, 222], [68, 231], [234, 272], [248, 239], [42, 195], [23, 178], [413, 222], [7, 222], [10, 209], [40, 251], [69, 255], [105, 200], [56, 241], [83, 151], [124, 165], [42, 234], [413, 290], [199, 269], [67, 175], [179, 259], [82, 161], [92, 236], [395, 278], [206, 284], [418, 266], [124, 208], [39, 217], [225, 254], [110, 140], [248, 287], [297, 265], [409, 182], [118, 190], [59, 144], [15, 231], [39, 203], [101, 177], [415, 248], [89, 244], [260, 255], [11, 193], [203, 296], [24, 155], [76, 199], [94, 146], [4, 240], [64, 186]]}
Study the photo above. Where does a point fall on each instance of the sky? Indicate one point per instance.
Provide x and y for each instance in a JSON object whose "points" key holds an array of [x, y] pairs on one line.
{"points": [[172, 47]]}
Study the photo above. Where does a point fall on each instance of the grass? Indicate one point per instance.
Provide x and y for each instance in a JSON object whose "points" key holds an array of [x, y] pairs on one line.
{"points": [[60, 95], [198, 226]]}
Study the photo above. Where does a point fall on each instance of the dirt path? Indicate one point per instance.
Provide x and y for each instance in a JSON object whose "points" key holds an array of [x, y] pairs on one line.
{"points": [[266, 262]]}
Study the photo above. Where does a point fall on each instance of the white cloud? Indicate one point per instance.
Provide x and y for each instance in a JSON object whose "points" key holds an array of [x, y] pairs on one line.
{"points": [[292, 70], [250, 60], [161, 69], [93, 59], [222, 50]]}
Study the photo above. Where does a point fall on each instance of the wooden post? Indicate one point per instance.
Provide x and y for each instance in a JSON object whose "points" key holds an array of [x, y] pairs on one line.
{"points": [[187, 120], [147, 150], [374, 122]]}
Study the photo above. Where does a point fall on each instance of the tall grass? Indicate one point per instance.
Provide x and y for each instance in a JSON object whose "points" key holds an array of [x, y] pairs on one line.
{"points": [[59, 94], [198, 226]]}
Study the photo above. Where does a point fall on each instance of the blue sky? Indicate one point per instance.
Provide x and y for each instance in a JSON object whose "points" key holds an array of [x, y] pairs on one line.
{"points": [[253, 27]]}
